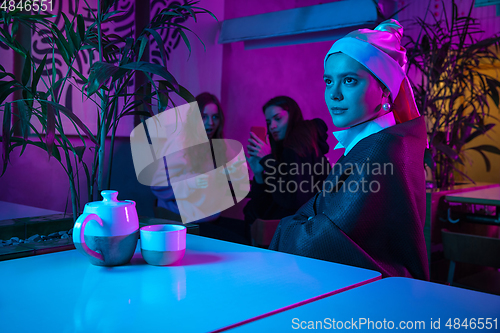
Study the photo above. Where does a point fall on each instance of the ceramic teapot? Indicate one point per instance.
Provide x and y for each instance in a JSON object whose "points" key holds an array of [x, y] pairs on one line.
{"points": [[107, 231]]}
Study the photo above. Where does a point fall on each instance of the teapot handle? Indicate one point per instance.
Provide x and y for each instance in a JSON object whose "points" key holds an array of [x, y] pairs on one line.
{"points": [[78, 230]]}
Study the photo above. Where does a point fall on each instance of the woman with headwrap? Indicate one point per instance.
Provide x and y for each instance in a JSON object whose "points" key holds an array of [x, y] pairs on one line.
{"points": [[371, 211]]}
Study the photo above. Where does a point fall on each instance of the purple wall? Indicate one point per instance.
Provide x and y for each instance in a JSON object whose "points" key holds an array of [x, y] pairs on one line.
{"points": [[31, 179], [34, 180]]}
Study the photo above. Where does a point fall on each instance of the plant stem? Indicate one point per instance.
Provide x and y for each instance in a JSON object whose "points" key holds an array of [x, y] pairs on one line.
{"points": [[74, 195], [103, 131], [113, 132], [74, 204]]}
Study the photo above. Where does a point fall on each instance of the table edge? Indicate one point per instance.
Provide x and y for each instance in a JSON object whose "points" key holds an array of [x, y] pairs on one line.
{"points": [[295, 305]]}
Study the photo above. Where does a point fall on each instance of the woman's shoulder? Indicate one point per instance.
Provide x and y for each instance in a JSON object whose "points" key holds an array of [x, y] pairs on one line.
{"points": [[309, 138], [395, 144], [406, 137], [415, 128], [413, 131], [319, 123]]}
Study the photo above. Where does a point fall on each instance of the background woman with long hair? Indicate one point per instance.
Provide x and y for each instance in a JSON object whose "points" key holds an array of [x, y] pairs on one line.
{"points": [[289, 164], [191, 171], [192, 162]]}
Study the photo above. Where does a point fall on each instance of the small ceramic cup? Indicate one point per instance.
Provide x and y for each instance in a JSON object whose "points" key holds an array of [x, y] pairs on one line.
{"points": [[163, 244]]}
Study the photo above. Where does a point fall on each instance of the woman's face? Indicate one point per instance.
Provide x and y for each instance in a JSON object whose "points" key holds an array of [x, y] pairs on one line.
{"points": [[277, 121], [352, 94], [211, 119]]}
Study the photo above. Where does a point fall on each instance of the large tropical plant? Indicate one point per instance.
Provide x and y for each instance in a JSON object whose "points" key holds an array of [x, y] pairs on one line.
{"points": [[446, 62], [115, 62]]}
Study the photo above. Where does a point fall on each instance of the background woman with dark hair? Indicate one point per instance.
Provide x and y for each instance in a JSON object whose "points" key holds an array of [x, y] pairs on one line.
{"points": [[212, 115], [191, 161], [189, 170], [198, 156], [290, 168]]}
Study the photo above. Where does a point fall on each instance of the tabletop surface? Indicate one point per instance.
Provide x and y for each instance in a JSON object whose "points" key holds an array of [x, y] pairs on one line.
{"points": [[216, 284], [10, 210], [412, 303], [488, 196]]}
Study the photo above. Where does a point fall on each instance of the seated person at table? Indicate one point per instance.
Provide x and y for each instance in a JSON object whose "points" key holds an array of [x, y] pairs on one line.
{"points": [[195, 164], [290, 167], [371, 211]]}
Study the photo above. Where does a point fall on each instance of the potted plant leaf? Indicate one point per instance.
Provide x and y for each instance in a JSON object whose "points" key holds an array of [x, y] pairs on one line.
{"points": [[457, 96], [114, 62], [446, 63]]}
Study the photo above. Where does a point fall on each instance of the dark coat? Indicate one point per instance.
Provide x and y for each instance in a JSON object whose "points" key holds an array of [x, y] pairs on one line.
{"points": [[379, 228], [271, 200]]}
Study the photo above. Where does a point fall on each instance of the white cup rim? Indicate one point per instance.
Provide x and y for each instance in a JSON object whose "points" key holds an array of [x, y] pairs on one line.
{"points": [[164, 228]]}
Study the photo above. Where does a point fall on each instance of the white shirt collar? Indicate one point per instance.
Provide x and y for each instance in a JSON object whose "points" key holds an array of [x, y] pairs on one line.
{"points": [[348, 138]]}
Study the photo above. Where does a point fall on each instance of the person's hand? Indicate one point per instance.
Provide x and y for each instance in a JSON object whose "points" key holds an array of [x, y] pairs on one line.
{"points": [[233, 167], [256, 168], [257, 147], [255, 165], [201, 181]]}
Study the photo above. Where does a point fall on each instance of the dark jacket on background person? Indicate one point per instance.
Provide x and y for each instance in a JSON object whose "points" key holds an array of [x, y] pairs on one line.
{"points": [[280, 195], [379, 229]]}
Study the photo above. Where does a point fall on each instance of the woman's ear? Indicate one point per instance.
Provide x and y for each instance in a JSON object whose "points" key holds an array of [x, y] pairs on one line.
{"points": [[386, 92]]}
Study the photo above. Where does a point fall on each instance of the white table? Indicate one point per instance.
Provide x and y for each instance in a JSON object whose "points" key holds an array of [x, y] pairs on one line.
{"points": [[10, 210], [411, 303], [217, 284], [488, 197]]}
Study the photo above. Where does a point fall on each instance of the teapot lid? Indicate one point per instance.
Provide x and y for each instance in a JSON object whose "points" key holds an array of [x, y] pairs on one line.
{"points": [[109, 198]]}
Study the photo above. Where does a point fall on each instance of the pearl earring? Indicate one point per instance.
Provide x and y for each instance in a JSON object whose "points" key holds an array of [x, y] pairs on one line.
{"points": [[386, 106]]}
